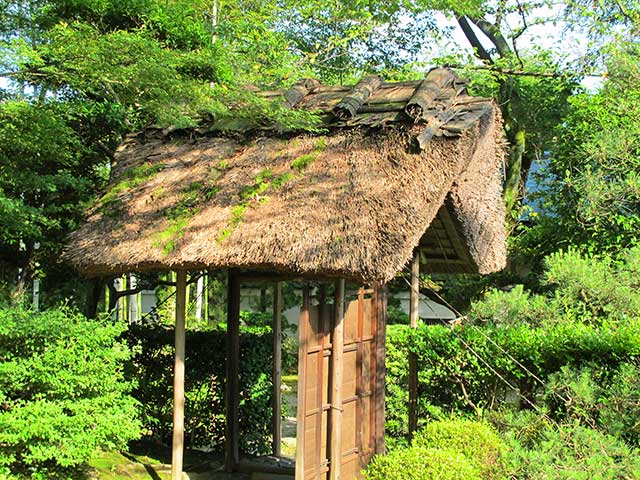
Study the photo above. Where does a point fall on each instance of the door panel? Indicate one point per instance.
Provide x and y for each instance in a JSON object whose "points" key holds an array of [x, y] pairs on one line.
{"points": [[360, 387]]}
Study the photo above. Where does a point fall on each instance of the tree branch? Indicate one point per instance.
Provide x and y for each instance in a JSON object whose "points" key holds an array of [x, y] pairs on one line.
{"points": [[148, 286], [521, 73], [495, 35], [473, 39]]}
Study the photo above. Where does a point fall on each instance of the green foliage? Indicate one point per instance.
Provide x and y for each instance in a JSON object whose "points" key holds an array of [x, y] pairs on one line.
{"points": [[152, 365], [586, 317], [513, 307], [590, 196], [477, 441], [525, 445], [578, 287], [418, 463], [604, 398], [539, 450], [63, 391], [450, 449], [46, 176]]}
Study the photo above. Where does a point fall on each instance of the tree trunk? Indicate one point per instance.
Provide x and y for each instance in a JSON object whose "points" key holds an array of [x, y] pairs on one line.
{"points": [[94, 292], [514, 181], [113, 294]]}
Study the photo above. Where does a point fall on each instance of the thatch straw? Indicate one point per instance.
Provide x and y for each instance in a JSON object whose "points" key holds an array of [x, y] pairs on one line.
{"points": [[352, 203]]}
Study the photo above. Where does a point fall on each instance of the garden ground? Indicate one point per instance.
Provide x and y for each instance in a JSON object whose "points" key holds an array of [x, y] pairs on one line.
{"points": [[154, 463]]}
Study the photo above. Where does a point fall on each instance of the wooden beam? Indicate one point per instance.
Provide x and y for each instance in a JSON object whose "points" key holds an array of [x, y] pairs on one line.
{"points": [[337, 373], [232, 397], [177, 450], [303, 331], [414, 311], [276, 376], [381, 336], [252, 276]]}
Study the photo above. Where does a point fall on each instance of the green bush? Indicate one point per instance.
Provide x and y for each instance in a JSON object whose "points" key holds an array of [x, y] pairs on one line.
{"points": [[566, 452], [419, 463], [205, 367], [63, 393], [586, 316], [449, 449], [451, 378], [477, 441], [606, 399]]}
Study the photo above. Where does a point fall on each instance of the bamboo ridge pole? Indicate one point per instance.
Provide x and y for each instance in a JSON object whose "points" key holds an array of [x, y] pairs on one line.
{"points": [[178, 378], [413, 361]]}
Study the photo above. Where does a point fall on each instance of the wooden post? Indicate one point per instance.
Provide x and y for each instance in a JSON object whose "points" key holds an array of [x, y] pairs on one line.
{"points": [[303, 332], [321, 330], [199, 296], [232, 396], [277, 369], [178, 379], [206, 298], [414, 311], [381, 335], [337, 371]]}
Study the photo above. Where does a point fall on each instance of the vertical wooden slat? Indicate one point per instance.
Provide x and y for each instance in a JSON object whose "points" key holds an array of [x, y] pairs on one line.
{"points": [[337, 373], [232, 397], [373, 369], [413, 361], [320, 377], [303, 333], [277, 369], [178, 379], [359, 384], [381, 310]]}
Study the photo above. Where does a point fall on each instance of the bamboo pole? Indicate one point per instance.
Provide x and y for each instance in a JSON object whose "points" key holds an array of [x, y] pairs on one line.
{"points": [[178, 379], [232, 397], [337, 371], [277, 369], [413, 361]]}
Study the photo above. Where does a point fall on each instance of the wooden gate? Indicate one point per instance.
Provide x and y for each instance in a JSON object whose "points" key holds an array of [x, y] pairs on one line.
{"points": [[340, 384]]}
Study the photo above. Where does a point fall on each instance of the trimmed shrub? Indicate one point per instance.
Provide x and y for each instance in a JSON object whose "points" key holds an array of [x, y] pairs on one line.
{"points": [[477, 441], [63, 393], [450, 449], [419, 463]]}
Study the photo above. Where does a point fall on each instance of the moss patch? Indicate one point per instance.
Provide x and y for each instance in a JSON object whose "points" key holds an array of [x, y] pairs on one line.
{"points": [[115, 465], [253, 194], [267, 181], [303, 161], [132, 178], [190, 201], [110, 205]]}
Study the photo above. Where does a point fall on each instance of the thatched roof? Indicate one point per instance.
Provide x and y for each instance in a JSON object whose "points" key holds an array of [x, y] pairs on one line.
{"points": [[401, 165]]}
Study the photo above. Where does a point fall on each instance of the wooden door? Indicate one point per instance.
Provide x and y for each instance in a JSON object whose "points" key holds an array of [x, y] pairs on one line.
{"points": [[357, 408]]}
